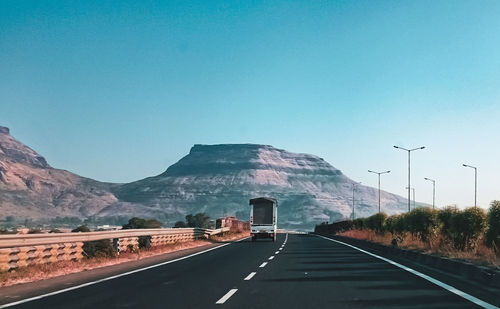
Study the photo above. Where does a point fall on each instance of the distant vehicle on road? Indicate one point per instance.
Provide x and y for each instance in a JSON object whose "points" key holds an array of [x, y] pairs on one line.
{"points": [[263, 218]]}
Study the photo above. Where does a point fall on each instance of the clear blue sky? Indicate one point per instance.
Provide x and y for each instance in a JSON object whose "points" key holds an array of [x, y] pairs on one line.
{"points": [[119, 91]]}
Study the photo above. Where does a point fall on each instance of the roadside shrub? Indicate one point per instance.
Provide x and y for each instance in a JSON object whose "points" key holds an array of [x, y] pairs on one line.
{"points": [[423, 223], [139, 223], [397, 225], [359, 223], [466, 228], [200, 220], [180, 224], [376, 222], [445, 217], [35, 231], [99, 248], [333, 228], [81, 228], [492, 237]]}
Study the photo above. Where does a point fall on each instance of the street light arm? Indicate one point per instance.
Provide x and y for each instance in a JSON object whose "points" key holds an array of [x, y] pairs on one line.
{"points": [[418, 148]]}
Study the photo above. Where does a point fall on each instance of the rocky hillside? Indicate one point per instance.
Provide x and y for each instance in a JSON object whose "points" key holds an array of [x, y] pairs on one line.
{"points": [[31, 188], [220, 179], [216, 179]]}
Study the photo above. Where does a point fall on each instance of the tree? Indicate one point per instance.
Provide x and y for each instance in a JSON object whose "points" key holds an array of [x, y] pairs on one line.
{"points": [[493, 234], [200, 220], [81, 228], [139, 223], [180, 224]]}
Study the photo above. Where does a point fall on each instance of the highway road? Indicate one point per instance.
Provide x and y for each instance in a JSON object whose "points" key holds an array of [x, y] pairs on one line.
{"points": [[296, 271]]}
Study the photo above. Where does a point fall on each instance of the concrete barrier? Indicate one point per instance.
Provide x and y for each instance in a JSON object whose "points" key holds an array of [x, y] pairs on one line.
{"points": [[23, 250]]}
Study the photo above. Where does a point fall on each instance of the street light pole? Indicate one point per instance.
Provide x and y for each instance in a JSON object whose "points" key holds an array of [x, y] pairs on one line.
{"points": [[379, 173], [409, 151], [353, 188], [433, 191], [413, 189], [475, 182]]}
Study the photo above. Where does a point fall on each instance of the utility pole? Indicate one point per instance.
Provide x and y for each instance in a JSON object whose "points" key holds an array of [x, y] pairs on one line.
{"points": [[354, 184], [409, 151], [475, 182], [433, 191], [413, 189], [379, 173]]}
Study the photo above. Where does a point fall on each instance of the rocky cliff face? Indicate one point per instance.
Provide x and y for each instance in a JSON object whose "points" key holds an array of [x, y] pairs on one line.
{"points": [[220, 179], [30, 188], [216, 179]]}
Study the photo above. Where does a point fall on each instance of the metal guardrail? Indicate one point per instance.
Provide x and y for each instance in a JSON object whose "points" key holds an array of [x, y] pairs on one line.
{"points": [[9, 241], [21, 250]]}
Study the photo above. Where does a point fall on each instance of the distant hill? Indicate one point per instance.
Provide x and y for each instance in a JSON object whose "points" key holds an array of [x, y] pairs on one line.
{"points": [[216, 179]]}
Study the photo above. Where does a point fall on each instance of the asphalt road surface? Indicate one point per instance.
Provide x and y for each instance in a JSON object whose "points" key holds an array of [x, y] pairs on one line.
{"points": [[296, 271]]}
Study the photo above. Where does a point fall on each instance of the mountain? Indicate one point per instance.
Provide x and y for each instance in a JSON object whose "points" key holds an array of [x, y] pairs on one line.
{"points": [[220, 179], [216, 179], [31, 188]]}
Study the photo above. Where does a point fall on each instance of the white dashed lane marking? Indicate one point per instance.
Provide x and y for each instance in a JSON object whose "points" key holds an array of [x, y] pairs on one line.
{"points": [[250, 276], [226, 297], [271, 257], [263, 265]]}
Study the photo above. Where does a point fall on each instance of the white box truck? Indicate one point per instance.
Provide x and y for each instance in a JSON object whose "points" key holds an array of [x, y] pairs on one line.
{"points": [[263, 218]]}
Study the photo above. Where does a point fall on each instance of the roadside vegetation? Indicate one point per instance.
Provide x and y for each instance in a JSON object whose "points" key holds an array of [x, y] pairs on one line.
{"points": [[200, 220], [471, 234]]}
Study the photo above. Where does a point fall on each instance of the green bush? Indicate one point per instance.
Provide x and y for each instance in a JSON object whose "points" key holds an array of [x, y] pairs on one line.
{"points": [[359, 223], [139, 223], [180, 224], [445, 217], [492, 237], [99, 248], [397, 224], [466, 227], [423, 223], [376, 222], [81, 228], [201, 220]]}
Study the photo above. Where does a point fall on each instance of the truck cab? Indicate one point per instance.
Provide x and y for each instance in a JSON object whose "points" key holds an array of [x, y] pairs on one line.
{"points": [[263, 218]]}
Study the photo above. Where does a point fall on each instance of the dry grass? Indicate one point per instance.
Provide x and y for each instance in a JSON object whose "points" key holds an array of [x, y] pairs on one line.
{"points": [[45, 271], [232, 235], [437, 246]]}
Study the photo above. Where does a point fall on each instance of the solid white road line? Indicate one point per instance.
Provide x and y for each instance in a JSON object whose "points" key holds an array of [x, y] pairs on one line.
{"points": [[22, 301], [271, 257], [226, 297], [263, 265], [445, 286], [250, 276]]}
